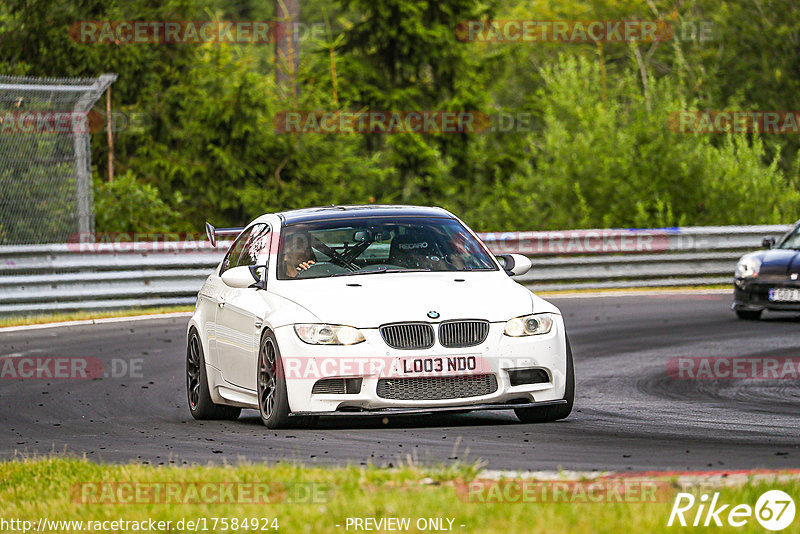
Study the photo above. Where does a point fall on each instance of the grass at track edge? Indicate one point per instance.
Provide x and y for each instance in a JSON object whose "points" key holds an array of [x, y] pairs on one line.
{"points": [[317, 499]]}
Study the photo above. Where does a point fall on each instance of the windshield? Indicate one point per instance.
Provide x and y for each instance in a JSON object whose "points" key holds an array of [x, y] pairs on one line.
{"points": [[792, 240], [372, 246]]}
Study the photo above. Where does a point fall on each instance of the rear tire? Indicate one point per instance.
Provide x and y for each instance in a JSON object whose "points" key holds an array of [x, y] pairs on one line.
{"points": [[749, 315], [200, 404], [545, 414]]}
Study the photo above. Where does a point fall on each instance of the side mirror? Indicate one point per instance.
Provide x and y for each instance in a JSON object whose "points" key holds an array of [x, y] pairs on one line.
{"points": [[243, 277], [514, 264], [768, 242]]}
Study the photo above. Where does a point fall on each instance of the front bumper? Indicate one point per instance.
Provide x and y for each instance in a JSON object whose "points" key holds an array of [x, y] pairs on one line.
{"points": [[438, 409], [753, 294], [373, 361]]}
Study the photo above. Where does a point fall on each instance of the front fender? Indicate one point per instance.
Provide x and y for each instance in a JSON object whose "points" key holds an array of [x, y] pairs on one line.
{"points": [[280, 311]]}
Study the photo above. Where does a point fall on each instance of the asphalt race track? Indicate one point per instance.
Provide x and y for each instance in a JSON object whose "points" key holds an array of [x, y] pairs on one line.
{"points": [[629, 415]]}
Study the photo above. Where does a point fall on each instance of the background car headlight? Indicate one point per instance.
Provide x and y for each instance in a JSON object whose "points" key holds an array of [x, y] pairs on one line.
{"points": [[328, 334], [529, 325], [748, 267]]}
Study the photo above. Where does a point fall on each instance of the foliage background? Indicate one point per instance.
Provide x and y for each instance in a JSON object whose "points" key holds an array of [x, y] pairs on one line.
{"points": [[599, 155]]}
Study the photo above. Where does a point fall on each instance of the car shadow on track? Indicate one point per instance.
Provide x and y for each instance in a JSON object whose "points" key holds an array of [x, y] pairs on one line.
{"points": [[779, 317], [361, 422]]}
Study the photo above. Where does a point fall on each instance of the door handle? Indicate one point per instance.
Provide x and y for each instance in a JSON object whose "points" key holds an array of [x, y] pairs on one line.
{"points": [[221, 303]]}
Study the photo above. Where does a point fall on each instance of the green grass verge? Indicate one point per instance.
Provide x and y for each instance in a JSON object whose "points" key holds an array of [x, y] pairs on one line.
{"points": [[32, 489], [23, 320]]}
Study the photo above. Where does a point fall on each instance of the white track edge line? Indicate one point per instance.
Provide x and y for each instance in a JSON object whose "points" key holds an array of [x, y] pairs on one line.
{"points": [[103, 320]]}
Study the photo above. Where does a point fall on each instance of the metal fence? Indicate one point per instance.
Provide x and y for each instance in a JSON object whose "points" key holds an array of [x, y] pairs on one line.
{"points": [[64, 277], [45, 177]]}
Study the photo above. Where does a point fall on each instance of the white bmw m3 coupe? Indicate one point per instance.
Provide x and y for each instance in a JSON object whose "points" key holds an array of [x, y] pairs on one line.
{"points": [[371, 310]]}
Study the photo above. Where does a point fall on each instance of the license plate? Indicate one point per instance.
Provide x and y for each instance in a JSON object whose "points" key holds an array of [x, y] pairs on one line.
{"points": [[783, 294], [441, 365]]}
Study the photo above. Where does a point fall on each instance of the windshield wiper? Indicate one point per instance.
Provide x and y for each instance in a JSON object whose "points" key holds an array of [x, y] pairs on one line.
{"points": [[382, 270]]}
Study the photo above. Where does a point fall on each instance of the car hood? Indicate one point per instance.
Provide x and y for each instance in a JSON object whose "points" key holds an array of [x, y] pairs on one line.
{"points": [[778, 262], [368, 301]]}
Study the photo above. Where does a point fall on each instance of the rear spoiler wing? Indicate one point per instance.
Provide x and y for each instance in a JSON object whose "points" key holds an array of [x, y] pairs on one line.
{"points": [[213, 233]]}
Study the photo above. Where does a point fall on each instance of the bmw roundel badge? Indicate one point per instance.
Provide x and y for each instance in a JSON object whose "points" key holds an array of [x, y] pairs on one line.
{"points": [[433, 314]]}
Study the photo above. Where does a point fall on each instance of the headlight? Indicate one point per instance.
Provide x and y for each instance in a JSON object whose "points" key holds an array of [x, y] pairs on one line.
{"points": [[328, 334], [748, 267], [529, 325]]}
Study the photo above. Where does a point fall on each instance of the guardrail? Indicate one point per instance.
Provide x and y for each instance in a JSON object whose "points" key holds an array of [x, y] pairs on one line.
{"points": [[601, 259], [68, 277]]}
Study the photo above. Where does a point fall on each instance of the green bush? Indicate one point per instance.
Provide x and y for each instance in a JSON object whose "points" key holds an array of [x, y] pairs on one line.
{"points": [[600, 156], [129, 205], [609, 159]]}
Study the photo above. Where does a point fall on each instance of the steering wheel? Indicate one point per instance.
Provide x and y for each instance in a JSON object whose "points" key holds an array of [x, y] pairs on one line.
{"points": [[323, 268]]}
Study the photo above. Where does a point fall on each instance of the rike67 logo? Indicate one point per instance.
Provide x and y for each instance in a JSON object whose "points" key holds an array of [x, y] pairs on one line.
{"points": [[774, 510]]}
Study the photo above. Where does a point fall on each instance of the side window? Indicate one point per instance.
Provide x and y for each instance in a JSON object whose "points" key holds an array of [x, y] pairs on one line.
{"points": [[232, 257], [256, 248], [250, 248]]}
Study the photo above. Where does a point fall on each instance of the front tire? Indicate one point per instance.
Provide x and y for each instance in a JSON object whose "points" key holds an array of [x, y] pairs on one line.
{"points": [[273, 401], [200, 403], [749, 315], [545, 414]]}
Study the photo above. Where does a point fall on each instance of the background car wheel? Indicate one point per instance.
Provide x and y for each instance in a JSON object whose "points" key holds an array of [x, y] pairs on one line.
{"points": [[749, 315], [545, 414], [200, 403], [273, 402]]}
